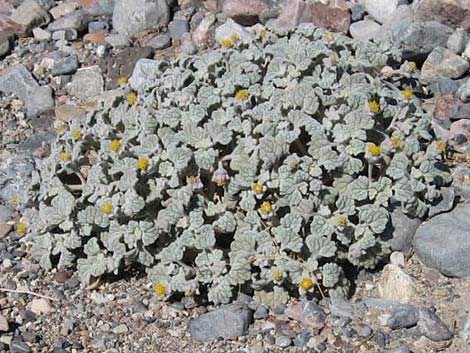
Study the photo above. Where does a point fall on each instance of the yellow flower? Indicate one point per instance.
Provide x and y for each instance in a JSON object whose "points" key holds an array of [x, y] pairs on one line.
{"points": [[407, 93], [92, 158], [60, 129], [107, 208], [441, 146], [241, 94], [64, 156], [226, 43], [374, 150], [115, 144], [160, 290], [374, 107], [122, 81], [412, 66], [131, 97], [257, 188], [277, 276], [396, 142], [76, 134], [142, 163], [266, 207], [220, 182], [13, 199], [234, 37], [342, 220], [263, 33], [328, 36], [21, 228], [306, 283]]}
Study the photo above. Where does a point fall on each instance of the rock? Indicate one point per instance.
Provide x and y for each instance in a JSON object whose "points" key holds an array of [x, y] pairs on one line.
{"points": [[244, 12], [68, 112], [117, 40], [336, 19], [261, 312], [444, 87], [292, 13], [159, 41], [17, 345], [461, 181], [15, 176], [464, 326], [41, 306], [398, 259], [279, 309], [463, 91], [402, 231], [98, 26], [65, 35], [65, 66], [381, 10], [96, 37], [455, 13], [394, 284], [30, 14], [443, 106], [133, 16], [228, 29], [120, 329], [431, 326], [228, 321], [201, 33], [341, 308], [41, 34], [101, 8], [188, 47], [357, 12], [63, 9], [403, 316], [40, 101], [418, 39], [87, 83], [177, 28], [302, 339], [400, 350], [446, 203], [5, 229], [4, 44], [457, 41], [365, 30], [443, 242], [4, 325], [460, 111], [283, 341], [402, 14], [77, 20], [443, 64], [308, 313]]}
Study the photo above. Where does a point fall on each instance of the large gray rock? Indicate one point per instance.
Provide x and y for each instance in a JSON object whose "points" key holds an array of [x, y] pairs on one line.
{"points": [[18, 81], [443, 242], [457, 41], [402, 230], [30, 14], [77, 20], [133, 16], [418, 39], [228, 321], [431, 326], [443, 64], [15, 176]]}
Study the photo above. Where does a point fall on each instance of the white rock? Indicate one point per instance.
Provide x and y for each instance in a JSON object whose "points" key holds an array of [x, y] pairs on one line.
{"points": [[365, 30], [200, 35], [230, 28], [395, 284], [381, 10], [41, 306], [87, 83], [397, 258], [41, 34]]}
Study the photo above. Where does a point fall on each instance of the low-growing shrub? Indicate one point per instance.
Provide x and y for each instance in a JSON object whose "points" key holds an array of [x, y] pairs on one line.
{"points": [[265, 168]]}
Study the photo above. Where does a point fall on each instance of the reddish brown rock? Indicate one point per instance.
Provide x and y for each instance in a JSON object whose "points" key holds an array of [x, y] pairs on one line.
{"points": [[244, 12], [336, 19], [9, 26], [292, 13], [455, 13], [444, 105], [97, 37]]}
